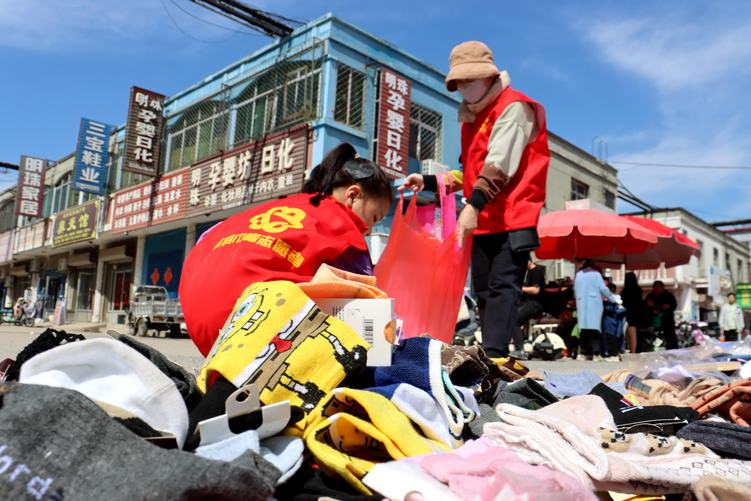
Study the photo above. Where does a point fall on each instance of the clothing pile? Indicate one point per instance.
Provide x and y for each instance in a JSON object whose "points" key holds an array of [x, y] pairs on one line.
{"points": [[286, 407]]}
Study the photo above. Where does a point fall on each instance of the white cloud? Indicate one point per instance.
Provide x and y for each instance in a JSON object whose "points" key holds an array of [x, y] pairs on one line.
{"points": [[701, 74], [671, 56]]}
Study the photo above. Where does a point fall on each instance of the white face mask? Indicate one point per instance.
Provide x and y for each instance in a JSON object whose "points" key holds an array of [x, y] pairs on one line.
{"points": [[473, 91]]}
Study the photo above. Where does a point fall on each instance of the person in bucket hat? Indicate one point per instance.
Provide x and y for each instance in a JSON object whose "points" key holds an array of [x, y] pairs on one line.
{"points": [[505, 161]]}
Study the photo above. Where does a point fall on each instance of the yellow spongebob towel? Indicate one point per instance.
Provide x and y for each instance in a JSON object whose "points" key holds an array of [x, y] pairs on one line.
{"points": [[279, 340], [352, 430]]}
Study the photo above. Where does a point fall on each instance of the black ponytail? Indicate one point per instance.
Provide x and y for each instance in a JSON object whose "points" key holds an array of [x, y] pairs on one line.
{"points": [[340, 168]]}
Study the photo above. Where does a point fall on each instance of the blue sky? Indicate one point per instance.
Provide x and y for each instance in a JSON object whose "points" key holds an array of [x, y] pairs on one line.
{"points": [[661, 82]]}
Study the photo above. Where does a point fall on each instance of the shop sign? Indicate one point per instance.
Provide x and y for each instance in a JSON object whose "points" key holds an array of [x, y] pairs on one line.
{"points": [[30, 193], [144, 132], [743, 295], [77, 224], [263, 170], [154, 202], [393, 125], [91, 156]]}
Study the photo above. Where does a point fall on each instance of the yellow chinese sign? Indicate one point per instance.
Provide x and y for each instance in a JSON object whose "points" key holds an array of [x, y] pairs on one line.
{"points": [[76, 224]]}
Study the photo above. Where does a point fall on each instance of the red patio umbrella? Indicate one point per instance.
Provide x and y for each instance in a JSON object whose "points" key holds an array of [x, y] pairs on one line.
{"points": [[584, 233], [673, 249]]}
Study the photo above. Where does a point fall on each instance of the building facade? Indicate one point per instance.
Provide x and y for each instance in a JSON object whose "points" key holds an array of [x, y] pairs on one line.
{"points": [[245, 135], [701, 286]]}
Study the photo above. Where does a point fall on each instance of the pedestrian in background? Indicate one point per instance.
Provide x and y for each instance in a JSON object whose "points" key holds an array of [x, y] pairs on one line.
{"points": [[530, 305], [589, 288], [636, 311], [664, 305], [731, 320], [505, 160]]}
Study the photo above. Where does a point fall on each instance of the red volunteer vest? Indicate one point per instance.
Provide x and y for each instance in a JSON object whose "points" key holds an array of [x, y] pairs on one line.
{"points": [[518, 205], [284, 239]]}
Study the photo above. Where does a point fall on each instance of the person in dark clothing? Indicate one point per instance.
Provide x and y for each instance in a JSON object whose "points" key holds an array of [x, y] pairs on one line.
{"points": [[636, 315], [530, 305], [665, 304]]}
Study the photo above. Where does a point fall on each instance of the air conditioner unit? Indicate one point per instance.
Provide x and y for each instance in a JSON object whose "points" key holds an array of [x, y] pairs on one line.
{"points": [[62, 264], [432, 167], [34, 266]]}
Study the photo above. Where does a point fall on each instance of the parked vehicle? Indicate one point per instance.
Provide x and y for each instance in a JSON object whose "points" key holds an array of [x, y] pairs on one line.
{"points": [[152, 309], [25, 319]]}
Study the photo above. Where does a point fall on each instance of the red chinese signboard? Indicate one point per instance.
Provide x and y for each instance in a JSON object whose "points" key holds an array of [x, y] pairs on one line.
{"points": [[393, 125], [154, 202], [263, 170], [30, 195]]}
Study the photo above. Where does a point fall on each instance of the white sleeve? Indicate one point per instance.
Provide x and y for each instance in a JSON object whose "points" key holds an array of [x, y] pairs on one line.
{"points": [[511, 133]]}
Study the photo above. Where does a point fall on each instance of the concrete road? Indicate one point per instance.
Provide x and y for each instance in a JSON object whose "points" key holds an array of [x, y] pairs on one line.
{"points": [[182, 351]]}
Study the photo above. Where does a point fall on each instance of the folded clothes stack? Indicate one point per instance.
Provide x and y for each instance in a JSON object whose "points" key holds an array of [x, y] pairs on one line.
{"points": [[286, 407]]}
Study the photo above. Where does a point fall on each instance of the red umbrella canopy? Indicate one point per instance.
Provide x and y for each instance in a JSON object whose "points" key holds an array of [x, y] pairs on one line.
{"points": [[575, 234], [673, 248]]}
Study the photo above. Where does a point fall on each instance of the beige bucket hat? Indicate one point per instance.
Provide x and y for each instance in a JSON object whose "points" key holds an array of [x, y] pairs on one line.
{"points": [[470, 61]]}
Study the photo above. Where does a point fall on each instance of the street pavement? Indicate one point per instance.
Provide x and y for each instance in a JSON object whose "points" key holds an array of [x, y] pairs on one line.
{"points": [[182, 351]]}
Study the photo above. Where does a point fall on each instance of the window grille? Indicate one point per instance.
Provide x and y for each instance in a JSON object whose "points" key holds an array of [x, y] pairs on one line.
{"points": [[425, 133], [579, 190], [266, 98], [349, 104]]}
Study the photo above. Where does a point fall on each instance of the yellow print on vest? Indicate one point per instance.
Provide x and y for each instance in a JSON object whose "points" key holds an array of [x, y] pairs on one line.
{"points": [[485, 125], [278, 219]]}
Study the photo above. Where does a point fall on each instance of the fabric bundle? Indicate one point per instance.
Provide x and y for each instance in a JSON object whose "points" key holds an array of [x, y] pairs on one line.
{"points": [[578, 436]]}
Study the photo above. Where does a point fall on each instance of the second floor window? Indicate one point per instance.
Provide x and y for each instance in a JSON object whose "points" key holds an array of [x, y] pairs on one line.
{"points": [[579, 190], [425, 134]]}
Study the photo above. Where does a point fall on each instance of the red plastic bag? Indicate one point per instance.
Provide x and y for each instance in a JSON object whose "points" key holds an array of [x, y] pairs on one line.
{"points": [[425, 276]]}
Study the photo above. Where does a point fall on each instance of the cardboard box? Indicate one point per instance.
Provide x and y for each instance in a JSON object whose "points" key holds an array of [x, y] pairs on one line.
{"points": [[368, 318]]}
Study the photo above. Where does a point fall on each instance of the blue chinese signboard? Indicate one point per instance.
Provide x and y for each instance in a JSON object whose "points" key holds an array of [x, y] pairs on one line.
{"points": [[91, 156]]}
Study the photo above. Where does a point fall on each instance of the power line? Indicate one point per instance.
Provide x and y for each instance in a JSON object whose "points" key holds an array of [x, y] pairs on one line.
{"points": [[642, 164], [191, 36], [214, 24]]}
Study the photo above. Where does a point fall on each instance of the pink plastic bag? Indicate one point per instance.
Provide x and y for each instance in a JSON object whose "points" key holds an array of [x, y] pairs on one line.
{"points": [[425, 276], [439, 219]]}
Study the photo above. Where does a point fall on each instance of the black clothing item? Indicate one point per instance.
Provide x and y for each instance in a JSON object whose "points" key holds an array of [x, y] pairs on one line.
{"points": [[587, 338], [535, 277], [636, 310], [667, 325], [613, 345], [731, 335], [497, 273], [45, 341], [663, 420], [527, 311], [310, 484]]}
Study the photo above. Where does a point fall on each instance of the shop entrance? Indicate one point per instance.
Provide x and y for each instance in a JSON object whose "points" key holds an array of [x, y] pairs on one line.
{"points": [[118, 292]]}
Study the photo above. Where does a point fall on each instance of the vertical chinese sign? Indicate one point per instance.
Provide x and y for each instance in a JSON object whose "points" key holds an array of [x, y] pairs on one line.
{"points": [[30, 186], [393, 125], [91, 156], [144, 132], [269, 168], [77, 224]]}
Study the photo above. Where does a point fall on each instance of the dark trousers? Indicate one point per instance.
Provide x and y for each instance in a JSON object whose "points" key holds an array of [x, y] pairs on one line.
{"points": [[498, 274], [527, 311], [731, 335], [668, 334], [586, 338]]}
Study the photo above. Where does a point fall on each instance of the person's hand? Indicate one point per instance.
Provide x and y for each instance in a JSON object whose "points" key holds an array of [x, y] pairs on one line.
{"points": [[665, 306], [467, 223], [414, 182]]}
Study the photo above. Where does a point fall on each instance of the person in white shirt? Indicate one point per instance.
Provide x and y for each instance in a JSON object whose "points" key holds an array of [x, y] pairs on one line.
{"points": [[731, 320]]}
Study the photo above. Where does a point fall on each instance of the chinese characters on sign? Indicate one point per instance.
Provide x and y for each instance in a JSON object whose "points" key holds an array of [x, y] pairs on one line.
{"points": [[269, 168], [144, 132], [154, 202], [393, 125], [76, 224], [91, 157], [30, 193]]}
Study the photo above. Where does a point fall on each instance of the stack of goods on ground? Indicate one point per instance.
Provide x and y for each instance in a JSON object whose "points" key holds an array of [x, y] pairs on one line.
{"points": [[290, 405]]}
